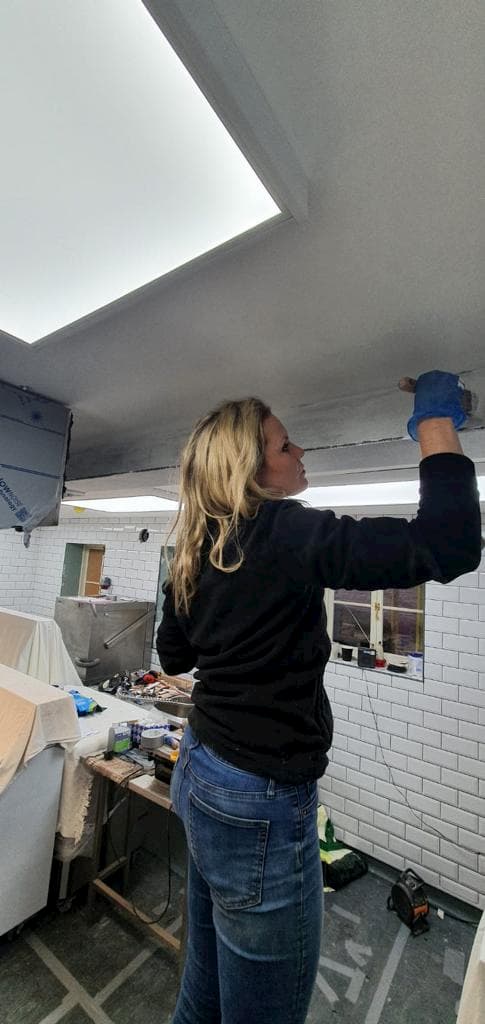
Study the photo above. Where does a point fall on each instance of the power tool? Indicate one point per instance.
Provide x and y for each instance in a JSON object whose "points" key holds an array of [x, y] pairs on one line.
{"points": [[410, 902]]}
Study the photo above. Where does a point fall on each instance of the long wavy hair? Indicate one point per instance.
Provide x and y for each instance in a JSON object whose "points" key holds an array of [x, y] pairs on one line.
{"points": [[218, 489]]}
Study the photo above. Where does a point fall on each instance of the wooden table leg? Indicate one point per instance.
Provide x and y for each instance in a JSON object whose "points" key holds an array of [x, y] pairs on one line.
{"points": [[149, 789], [126, 850]]}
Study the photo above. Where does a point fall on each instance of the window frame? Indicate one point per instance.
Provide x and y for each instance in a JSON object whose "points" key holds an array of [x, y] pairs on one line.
{"points": [[169, 550], [83, 576], [377, 608]]}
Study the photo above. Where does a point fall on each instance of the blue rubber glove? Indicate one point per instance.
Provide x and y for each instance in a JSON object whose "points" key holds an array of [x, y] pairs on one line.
{"points": [[437, 394], [84, 705]]}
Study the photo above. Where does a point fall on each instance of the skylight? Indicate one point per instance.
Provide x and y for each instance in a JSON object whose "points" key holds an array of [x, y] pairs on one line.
{"points": [[142, 503], [397, 492], [115, 167], [403, 492]]}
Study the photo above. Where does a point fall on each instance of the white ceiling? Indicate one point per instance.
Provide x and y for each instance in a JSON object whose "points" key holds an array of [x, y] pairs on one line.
{"points": [[377, 108]]}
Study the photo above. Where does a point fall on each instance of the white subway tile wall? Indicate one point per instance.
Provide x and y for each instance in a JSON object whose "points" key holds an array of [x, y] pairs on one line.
{"points": [[411, 794]]}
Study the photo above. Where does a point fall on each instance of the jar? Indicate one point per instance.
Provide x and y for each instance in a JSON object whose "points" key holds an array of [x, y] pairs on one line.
{"points": [[415, 663]]}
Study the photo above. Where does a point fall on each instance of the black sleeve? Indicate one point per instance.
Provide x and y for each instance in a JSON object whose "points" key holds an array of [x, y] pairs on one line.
{"points": [[174, 650], [441, 543]]}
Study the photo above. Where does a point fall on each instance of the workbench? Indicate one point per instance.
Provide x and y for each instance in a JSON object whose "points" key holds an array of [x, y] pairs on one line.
{"points": [[127, 776]]}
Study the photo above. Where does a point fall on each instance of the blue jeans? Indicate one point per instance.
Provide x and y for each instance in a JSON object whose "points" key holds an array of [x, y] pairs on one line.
{"points": [[255, 892]]}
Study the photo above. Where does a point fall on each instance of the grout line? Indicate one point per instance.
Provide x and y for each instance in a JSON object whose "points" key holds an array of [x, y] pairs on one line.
{"points": [[390, 968], [134, 964], [335, 909], [326, 990], [118, 980], [68, 1003], [454, 965], [96, 1013], [174, 927]]}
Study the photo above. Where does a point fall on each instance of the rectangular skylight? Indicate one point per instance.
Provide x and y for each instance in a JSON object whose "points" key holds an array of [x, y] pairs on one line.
{"points": [[403, 492], [120, 506], [116, 168], [398, 492]]}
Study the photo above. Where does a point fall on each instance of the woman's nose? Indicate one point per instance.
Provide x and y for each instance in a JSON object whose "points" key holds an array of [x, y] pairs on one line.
{"points": [[299, 451]]}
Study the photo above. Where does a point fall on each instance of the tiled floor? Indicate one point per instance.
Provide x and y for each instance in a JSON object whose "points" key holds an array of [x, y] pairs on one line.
{"points": [[64, 968]]}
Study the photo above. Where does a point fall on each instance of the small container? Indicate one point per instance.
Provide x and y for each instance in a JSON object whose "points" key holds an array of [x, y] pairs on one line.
{"points": [[381, 661], [415, 663], [366, 657], [119, 737], [347, 653], [152, 737]]}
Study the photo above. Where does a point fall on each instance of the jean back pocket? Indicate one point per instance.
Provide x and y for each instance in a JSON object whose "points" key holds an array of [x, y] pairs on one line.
{"points": [[229, 852]]}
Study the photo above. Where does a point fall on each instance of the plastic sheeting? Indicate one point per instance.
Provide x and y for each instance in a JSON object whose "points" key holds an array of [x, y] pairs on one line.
{"points": [[35, 433]]}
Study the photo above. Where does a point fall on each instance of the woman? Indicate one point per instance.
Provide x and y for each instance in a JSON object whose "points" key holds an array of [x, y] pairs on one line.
{"points": [[244, 604]]}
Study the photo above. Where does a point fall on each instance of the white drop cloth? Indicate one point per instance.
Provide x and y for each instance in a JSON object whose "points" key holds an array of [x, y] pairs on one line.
{"points": [[33, 715], [33, 644]]}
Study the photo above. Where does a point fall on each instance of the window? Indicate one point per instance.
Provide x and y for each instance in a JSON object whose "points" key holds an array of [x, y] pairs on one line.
{"points": [[162, 576], [391, 618]]}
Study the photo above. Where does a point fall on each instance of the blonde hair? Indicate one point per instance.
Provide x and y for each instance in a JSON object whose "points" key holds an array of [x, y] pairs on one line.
{"points": [[218, 488]]}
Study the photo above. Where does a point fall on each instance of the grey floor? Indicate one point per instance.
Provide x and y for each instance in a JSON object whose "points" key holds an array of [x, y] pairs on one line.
{"points": [[64, 967]]}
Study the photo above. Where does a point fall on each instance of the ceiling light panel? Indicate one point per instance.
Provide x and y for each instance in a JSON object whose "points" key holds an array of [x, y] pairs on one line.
{"points": [[404, 492], [397, 492], [116, 168], [123, 506]]}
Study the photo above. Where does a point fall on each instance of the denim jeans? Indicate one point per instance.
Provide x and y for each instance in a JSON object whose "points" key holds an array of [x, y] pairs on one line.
{"points": [[255, 892]]}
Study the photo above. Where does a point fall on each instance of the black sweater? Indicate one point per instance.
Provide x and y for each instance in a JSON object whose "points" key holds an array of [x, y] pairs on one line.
{"points": [[258, 636]]}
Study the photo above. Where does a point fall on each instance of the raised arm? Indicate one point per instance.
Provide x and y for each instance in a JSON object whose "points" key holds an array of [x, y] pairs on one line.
{"points": [[441, 543], [436, 436], [439, 411]]}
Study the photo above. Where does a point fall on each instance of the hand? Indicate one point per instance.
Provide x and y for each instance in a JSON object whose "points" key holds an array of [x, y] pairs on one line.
{"points": [[438, 396]]}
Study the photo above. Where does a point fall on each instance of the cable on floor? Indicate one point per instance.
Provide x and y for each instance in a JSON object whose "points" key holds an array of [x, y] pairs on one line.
{"points": [[137, 911]]}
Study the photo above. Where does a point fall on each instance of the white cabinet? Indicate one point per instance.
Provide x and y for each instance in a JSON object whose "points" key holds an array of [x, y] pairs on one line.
{"points": [[28, 817]]}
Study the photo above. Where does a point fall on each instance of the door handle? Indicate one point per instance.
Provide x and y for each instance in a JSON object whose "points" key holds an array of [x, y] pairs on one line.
{"points": [[127, 629]]}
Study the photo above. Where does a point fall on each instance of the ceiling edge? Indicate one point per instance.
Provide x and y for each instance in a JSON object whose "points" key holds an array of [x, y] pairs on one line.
{"points": [[203, 42]]}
